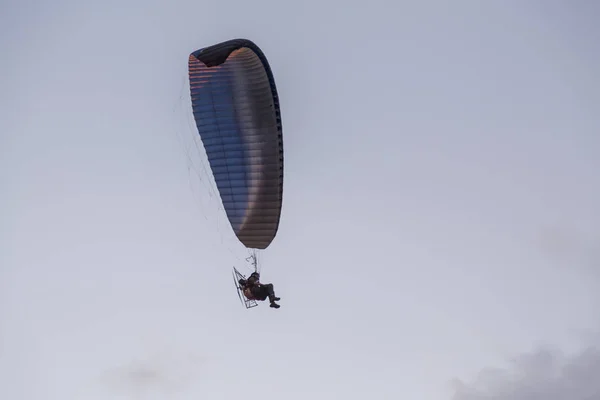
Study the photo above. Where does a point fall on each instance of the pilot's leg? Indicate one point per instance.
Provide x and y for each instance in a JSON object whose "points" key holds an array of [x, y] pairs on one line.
{"points": [[270, 291]]}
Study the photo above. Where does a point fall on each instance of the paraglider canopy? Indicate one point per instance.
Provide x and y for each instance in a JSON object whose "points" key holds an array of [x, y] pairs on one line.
{"points": [[236, 109]]}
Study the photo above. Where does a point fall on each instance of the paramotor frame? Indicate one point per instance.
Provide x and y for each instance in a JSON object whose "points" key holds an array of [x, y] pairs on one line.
{"points": [[236, 278]]}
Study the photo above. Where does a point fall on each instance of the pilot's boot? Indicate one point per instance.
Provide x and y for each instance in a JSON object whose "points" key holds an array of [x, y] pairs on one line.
{"points": [[273, 298]]}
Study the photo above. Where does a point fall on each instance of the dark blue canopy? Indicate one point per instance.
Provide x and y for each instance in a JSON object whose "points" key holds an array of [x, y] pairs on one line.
{"points": [[236, 108]]}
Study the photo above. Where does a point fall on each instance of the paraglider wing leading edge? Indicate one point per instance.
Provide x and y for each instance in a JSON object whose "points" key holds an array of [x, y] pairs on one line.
{"points": [[236, 109]]}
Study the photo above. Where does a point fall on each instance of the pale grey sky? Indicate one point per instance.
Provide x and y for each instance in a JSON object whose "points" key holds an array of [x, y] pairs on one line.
{"points": [[440, 210]]}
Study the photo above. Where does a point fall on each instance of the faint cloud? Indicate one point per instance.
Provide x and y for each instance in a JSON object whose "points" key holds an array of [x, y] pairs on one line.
{"points": [[546, 373], [540, 375], [164, 374]]}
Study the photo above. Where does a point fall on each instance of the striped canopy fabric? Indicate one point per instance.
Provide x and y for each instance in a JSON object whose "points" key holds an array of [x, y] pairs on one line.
{"points": [[236, 109]]}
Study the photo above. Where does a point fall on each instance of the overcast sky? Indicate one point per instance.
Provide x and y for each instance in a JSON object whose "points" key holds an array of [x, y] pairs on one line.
{"points": [[440, 215]]}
